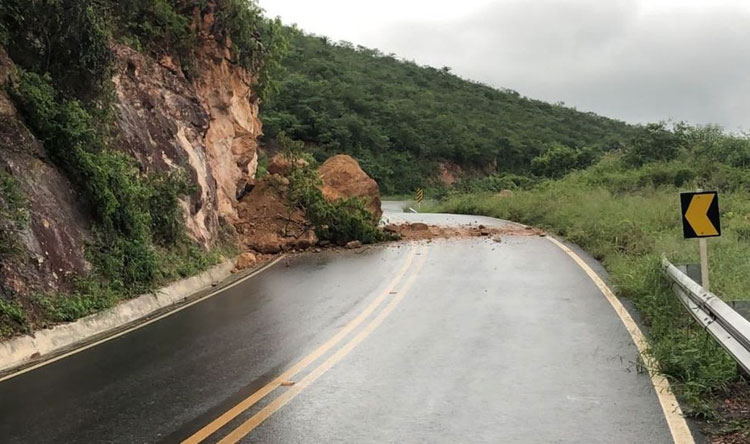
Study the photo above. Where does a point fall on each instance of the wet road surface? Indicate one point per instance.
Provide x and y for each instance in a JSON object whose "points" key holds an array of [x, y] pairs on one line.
{"points": [[465, 340]]}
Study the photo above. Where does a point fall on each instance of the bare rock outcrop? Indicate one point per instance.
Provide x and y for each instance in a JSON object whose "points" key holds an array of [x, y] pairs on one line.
{"points": [[58, 228], [343, 178], [225, 92], [207, 125]]}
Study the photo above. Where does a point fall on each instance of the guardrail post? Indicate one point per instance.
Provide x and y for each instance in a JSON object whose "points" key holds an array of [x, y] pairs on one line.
{"points": [[730, 329]]}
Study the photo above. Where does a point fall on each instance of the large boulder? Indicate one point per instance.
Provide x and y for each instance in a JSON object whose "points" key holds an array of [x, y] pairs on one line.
{"points": [[343, 178]]}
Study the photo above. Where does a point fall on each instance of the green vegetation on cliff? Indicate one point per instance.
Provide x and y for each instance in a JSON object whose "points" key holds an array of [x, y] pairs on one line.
{"points": [[400, 119], [63, 90]]}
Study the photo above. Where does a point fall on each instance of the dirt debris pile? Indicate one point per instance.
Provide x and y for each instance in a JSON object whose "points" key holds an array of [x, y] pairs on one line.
{"points": [[266, 222], [422, 231]]}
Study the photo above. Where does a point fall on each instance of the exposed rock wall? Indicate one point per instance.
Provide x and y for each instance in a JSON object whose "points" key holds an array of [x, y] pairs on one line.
{"points": [[206, 124], [58, 228]]}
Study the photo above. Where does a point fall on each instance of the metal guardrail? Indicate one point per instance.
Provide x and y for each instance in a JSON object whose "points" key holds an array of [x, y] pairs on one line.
{"points": [[727, 326]]}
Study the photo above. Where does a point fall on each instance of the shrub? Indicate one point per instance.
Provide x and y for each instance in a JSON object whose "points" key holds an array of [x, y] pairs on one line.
{"points": [[655, 143], [558, 160], [69, 39], [167, 218], [339, 221], [493, 183], [14, 214], [12, 318], [156, 25], [132, 211]]}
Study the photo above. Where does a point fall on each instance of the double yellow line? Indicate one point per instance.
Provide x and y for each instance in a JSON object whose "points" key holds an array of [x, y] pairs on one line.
{"points": [[254, 421]]}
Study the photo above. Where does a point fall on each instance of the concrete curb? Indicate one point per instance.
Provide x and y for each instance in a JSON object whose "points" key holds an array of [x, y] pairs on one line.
{"points": [[34, 347]]}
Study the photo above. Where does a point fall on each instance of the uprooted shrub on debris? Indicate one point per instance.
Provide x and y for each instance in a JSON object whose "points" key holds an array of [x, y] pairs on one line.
{"points": [[297, 206]]}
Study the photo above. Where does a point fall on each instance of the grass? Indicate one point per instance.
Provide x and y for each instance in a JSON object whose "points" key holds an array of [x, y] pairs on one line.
{"points": [[12, 318], [628, 232], [92, 294]]}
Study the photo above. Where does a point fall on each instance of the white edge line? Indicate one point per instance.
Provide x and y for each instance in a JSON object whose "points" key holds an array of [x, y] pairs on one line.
{"points": [[140, 325], [678, 427]]}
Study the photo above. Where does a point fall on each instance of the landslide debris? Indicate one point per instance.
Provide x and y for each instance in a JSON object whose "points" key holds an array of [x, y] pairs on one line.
{"points": [[421, 231], [296, 207], [268, 224], [343, 178]]}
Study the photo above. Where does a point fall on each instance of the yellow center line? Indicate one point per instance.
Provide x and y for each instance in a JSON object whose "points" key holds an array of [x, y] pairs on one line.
{"points": [[248, 402], [672, 412], [248, 426]]}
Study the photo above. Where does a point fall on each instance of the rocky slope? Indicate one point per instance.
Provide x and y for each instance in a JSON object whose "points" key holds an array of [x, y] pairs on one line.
{"points": [[58, 227], [206, 124]]}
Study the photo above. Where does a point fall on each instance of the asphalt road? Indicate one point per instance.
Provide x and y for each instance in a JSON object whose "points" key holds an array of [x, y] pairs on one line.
{"points": [[450, 341]]}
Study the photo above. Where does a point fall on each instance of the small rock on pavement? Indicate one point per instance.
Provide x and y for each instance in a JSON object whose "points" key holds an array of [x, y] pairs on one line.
{"points": [[391, 228], [497, 239], [246, 260], [419, 226], [353, 244]]}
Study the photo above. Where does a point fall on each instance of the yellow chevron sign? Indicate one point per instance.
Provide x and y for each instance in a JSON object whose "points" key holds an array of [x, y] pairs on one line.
{"points": [[420, 195], [700, 214]]}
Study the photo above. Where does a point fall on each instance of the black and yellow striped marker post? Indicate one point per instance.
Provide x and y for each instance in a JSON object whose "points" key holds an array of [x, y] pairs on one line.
{"points": [[700, 220], [419, 196]]}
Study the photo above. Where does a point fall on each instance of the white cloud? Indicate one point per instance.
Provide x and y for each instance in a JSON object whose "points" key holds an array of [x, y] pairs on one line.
{"points": [[636, 60]]}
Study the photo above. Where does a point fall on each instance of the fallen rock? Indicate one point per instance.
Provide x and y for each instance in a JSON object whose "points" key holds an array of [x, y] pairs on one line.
{"points": [[267, 243], [265, 222], [419, 226], [245, 261], [391, 228], [307, 240], [343, 178], [282, 165], [353, 244]]}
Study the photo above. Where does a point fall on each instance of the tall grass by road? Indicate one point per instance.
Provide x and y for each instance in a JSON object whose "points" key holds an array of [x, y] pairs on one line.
{"points": [[628, 231]]}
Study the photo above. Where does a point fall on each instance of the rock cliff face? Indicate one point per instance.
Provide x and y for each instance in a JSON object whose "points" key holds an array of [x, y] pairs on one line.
{"points": [[206, 124], [58, 228]]}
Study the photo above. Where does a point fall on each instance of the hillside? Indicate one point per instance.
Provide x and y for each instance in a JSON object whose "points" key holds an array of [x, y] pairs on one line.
{"points": [[402, 120]]}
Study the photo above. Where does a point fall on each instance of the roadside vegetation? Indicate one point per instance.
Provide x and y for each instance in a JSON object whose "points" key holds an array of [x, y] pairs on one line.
{"points": [[625, 211], [63, 90], [338, 221]]}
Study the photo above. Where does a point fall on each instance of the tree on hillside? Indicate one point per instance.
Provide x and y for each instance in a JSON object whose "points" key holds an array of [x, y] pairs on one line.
{"points": [[655, 143], [401, 119]]}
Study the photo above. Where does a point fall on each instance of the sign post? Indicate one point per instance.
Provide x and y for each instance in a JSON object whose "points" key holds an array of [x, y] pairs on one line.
{"points": [[419, 197], [703, 245], [700, 220]]}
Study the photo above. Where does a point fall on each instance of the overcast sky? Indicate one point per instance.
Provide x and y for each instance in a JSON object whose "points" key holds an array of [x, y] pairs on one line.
{"points": [[636, 60]]}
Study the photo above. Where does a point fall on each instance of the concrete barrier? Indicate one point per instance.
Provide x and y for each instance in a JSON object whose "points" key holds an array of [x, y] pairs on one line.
{"points": [[34, 347]]}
